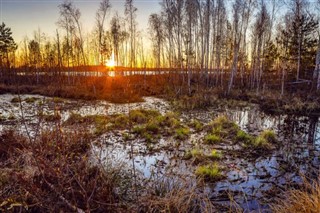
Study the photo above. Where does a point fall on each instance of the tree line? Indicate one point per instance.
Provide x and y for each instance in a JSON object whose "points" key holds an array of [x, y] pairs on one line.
{"points": [[242, 41]]}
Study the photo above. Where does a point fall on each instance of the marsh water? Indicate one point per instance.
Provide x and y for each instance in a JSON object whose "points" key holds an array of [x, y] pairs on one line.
{"points": [[252, 182]]}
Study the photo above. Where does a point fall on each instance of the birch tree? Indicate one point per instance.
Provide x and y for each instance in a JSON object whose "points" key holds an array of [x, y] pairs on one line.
{"points": [[100, 20], [130, 12]]}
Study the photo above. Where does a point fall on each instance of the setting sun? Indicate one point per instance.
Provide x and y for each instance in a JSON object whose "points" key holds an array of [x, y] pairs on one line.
{"points": [[111, 62]]}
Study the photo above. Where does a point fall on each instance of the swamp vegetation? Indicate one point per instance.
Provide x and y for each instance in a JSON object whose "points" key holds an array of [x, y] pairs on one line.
{"points": [[81, 155]]}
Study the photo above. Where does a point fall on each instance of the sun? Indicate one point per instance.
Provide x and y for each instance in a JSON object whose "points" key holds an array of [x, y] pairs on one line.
{"points": [[111, 62]]}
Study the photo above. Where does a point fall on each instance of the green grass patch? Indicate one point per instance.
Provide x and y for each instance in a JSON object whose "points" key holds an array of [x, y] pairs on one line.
{"points": [[15, 100], [182, 133], [244, 137], [269, 136], [210, 172], [30, 100], [196, 125], [120, 121], [215, 154], [212, 139], [153, 127], [138, 116], [75, 118]]}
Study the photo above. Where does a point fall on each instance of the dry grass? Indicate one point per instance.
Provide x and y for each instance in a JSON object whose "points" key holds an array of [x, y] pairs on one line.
{"points": [[52, 174], [304, 200], [175, 196]]}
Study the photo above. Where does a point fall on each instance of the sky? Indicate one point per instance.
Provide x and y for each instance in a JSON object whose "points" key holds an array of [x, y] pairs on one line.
{"points": [[26, 16]]}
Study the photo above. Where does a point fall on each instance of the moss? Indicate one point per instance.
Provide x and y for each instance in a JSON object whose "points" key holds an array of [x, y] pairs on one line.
{"points": [[210, 172], [215, 154], [182, 133], [212, 139]]}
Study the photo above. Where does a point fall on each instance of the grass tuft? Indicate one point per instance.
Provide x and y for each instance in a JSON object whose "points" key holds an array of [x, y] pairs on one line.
{"points": [[210, 172], [212, 139], [182, 133], [305, 200]]}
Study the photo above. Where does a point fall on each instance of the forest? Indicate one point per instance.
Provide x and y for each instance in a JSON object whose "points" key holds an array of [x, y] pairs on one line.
{"points": [[214, 106]]}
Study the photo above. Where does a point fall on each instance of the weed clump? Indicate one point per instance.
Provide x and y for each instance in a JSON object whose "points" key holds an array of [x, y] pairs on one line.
{"points": [[138, 116], [15, 100], [244, 137], [30, 100], [120, 121], [220, 129], [182, 133], [196, 125], [212, 139], [75, 118], [210, 172], [215, 154], [264, 141]]}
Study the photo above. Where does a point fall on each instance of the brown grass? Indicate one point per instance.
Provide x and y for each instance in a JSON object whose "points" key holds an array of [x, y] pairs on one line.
{"points": [[53, 174], [304, 200], [175, 196]]}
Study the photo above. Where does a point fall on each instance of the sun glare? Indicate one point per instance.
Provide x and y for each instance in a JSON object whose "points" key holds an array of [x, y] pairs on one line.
{"points": [[111, 62]]}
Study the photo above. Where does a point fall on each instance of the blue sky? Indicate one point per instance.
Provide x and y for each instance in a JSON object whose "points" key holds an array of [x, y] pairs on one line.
{"points": [[26, 16]]}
